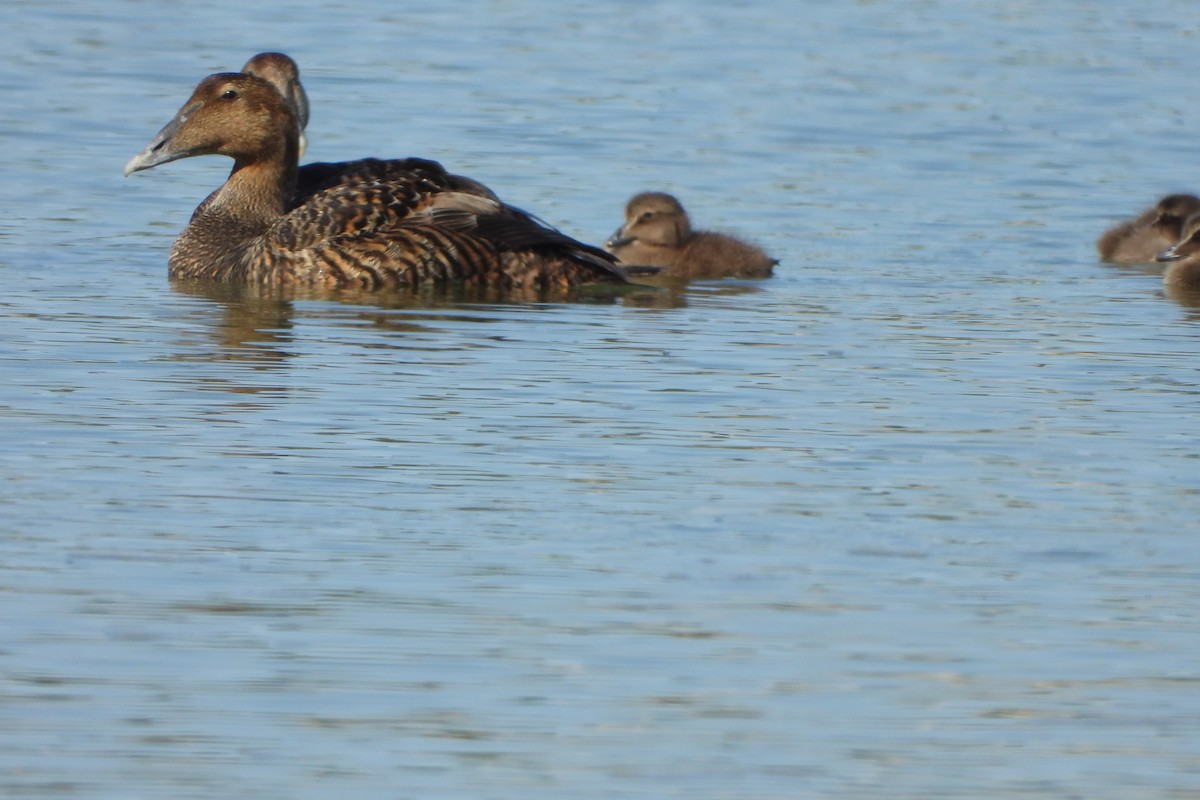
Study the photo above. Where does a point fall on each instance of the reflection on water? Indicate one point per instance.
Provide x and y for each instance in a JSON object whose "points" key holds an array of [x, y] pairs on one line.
{"points": [[911, 519], [256, 324], [1188, 298], [252, 319], [255, 300]]}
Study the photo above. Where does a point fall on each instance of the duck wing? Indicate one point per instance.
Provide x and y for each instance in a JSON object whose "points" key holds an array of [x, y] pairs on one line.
{"points": [[510, 228], [408, 222], [419, 175]]}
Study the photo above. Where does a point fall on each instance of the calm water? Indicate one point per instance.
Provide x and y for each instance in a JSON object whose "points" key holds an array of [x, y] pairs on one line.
{"points": [[914, 519]]}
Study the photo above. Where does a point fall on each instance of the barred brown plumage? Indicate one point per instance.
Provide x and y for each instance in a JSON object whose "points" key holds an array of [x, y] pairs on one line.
{"points": [[368, 223]]}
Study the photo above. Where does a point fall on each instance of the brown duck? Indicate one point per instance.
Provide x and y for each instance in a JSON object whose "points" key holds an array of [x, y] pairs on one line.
{"points": [[1183, 258], [1139, 240], [368, 223], [283, 73], [657, 232]]}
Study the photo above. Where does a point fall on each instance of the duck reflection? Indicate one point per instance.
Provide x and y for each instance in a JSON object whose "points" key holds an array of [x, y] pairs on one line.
{"points": [[252, 326], [1185, 296], [258, 324]]}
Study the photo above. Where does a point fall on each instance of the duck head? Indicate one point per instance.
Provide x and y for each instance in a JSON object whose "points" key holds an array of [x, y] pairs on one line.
{"points": [[232, 114], [1188, 244], [283, 73], [653, 218]]}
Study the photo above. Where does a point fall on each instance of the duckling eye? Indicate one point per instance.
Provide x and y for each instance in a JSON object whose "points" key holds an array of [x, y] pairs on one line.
{"points": [[229, 94]]}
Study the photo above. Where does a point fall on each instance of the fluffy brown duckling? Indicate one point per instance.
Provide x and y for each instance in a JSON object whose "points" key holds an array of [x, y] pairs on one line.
{"points": [[283, 73], [657, 232], [1139, 240], [366, 223], [1183, 257]]}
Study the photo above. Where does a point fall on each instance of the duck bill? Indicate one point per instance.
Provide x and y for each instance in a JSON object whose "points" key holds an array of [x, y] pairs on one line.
{"points": [[1168, 255], [162, 147], [618, 239]]}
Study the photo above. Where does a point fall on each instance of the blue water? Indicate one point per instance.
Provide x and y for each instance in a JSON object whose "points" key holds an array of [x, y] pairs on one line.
{"points": [[916, 518]]}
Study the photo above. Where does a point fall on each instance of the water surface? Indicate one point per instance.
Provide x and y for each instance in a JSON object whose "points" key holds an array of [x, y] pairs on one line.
{"points": [[914, 518]]}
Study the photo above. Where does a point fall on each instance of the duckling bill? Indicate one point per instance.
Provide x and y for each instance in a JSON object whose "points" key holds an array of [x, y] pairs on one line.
{"points": [[368, 223]]}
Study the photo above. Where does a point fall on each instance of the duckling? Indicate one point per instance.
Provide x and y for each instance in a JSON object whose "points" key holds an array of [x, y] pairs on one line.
{"points": [[1139, 240], [1183, 257], [657, 232], [283, 73], [367, 223]]}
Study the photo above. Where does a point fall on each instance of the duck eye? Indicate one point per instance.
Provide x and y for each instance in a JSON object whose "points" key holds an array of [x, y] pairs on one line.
{"points": [[646, 215], [229, 94]]}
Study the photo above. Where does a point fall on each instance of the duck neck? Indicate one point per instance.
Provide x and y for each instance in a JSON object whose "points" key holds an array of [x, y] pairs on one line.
{"points": [[258, 192], [226, 231]]}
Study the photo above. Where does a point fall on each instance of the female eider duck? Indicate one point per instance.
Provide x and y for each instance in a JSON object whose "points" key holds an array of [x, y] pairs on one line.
{"points": [[657, 232], [1139, 240], [283, 73], [1183, 257], [367, 223]]}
